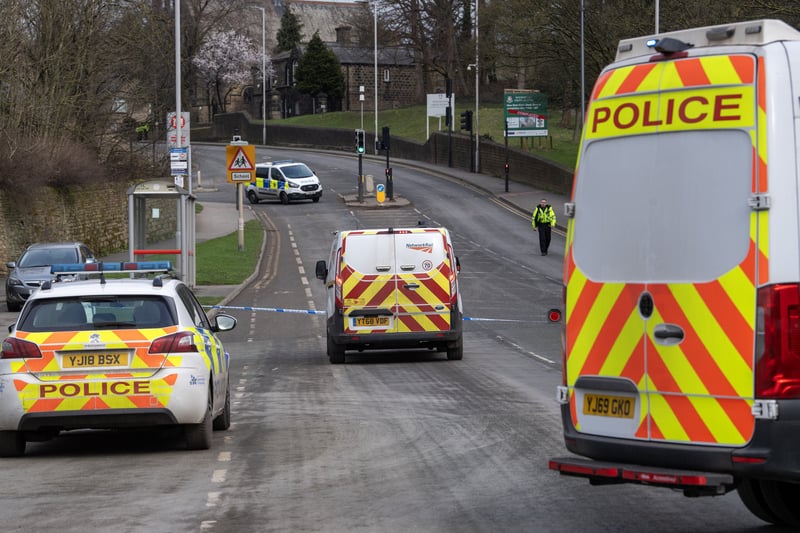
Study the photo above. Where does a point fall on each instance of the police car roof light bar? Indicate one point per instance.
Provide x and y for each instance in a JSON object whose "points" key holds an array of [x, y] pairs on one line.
{"points": [[97, 268]]}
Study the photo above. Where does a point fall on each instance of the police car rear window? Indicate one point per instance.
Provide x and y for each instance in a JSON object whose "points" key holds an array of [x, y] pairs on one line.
{"points": [[671, 207], [85, 314]]}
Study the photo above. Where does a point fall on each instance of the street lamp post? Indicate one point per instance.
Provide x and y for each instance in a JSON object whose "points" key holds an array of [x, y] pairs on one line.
{"points": [[477, 87], [375, 25], [263, 75]]}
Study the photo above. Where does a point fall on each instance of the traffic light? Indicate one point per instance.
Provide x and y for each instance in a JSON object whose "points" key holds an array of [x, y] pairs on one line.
{"points": [[360, 147], [466, 120]]}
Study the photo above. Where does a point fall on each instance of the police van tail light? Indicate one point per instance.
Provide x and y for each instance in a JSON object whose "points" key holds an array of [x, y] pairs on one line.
{"points": [[14, 348], [778, 342], [181, 342]]}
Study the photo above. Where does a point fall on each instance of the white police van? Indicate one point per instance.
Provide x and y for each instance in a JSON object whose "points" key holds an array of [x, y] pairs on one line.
{"points": [[285, 181]]}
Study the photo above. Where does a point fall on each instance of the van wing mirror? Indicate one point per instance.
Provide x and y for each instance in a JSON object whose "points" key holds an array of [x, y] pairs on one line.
{"points": [[322, 270], [458, 265]]}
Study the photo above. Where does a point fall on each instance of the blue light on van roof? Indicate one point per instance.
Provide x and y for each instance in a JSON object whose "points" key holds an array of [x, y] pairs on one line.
{"points": [[651, 43]]}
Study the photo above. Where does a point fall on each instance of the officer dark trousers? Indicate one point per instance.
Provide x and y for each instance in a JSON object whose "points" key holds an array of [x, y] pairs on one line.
{"points": [[544, 237]]}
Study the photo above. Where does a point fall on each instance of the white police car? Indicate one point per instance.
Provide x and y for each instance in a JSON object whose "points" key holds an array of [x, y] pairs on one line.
{"points": [[285, 181], [113, 353]]}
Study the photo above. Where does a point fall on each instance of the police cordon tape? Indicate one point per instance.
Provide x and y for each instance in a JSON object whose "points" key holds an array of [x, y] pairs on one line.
{"points": [[554, 315]]}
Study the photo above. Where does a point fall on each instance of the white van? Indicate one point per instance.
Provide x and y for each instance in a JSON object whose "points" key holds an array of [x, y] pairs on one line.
{"points": [[285, 181], [682, 270], [392, 288]]}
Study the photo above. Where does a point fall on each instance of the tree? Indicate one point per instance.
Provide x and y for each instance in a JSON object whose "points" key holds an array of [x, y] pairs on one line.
{"points": [[319, 71], [289, 34], [225, 62]]}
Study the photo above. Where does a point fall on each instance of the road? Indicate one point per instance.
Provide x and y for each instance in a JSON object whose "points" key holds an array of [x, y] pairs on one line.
{"points": [[390, 441]]}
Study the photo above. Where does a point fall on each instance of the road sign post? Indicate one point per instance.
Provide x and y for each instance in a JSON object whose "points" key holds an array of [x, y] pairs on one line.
{"points": [[240, 158]]}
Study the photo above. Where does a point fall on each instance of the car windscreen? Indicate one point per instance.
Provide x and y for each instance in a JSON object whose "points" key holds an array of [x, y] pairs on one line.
{"points": [[103, 312], [48, 256], [297, 171], [668, 207]]}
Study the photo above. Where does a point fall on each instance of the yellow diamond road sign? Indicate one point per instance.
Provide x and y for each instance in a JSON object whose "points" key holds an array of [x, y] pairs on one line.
{"points": [[240, 162]]}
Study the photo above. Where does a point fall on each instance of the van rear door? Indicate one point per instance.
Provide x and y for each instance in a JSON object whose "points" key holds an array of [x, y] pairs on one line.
{"points": [[369, 283], [423, 281], [663, 253]]}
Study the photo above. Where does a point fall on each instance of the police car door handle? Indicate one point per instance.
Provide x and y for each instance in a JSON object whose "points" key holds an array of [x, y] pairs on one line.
{"points": [[383, 268], [411, 286], [407, 267]]}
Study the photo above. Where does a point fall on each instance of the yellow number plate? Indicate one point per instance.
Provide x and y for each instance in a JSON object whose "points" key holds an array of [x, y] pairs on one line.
{"points": [[93, 360], [613, 406], [372, 321]]}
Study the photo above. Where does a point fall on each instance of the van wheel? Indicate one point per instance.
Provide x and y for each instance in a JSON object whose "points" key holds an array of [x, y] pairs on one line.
{"points": [[198, 436], [252, 197], [12, 443], [315, 199], [335, 352], [753, 498], [284, 198], [782, 498], [455, 350]]}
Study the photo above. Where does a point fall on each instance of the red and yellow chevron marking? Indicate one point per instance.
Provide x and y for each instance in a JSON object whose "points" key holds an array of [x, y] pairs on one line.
{"points": [[414, 309], [131, 387], [701, 389], [89, 395], [713, 92]]}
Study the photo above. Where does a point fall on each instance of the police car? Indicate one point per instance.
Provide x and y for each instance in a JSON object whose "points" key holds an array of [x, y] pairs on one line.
{"points": [[113, 353], [285, 181]]}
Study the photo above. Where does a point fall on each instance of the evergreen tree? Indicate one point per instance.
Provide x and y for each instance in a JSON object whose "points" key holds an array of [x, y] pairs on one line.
{"points": [[319, 71], [289, 34]]}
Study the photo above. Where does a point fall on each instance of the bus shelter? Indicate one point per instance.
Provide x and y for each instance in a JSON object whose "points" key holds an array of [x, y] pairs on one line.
{"points": [[161, 221]]}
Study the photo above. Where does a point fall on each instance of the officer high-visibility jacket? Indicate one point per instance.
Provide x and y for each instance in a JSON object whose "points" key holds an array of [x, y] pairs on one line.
{"points": [[543, 216]]}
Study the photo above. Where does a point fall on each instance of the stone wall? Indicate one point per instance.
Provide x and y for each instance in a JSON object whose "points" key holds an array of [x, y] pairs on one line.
{"points": [[96, 215], [524, 167]]}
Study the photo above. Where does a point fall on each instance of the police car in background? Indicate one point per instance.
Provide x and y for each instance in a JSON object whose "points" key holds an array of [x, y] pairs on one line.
{"points": [[113, 353], [285, 181]]}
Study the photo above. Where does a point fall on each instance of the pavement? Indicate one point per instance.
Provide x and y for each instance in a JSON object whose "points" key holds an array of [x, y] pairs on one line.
{"points": [[219, 219]]}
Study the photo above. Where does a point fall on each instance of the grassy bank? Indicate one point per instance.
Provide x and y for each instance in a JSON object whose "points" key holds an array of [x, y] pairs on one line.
{"points": [[409, 123]]}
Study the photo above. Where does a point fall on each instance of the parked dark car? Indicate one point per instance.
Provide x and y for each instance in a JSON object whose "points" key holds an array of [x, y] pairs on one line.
{"points": [[33, 268]]}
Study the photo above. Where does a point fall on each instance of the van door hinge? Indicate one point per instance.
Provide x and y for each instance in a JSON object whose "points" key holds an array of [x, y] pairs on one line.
{"points": [[765, 409], [562, 394], [759, 202], [569, 209]]}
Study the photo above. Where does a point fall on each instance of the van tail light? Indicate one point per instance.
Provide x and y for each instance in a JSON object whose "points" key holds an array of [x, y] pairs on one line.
{"points": [[454, 268], [337, 283], [778, 342], [181, 342], [14, 348]]}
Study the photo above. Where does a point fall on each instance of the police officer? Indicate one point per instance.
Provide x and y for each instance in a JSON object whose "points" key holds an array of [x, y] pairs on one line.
{"points": [[543, 220]]}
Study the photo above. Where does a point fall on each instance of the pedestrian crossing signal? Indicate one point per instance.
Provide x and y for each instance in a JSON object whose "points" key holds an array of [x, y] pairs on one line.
{"points": [[360, 147]]}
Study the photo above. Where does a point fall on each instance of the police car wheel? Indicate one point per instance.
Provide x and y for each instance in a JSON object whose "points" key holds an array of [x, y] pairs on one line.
{"points": [[12, 443], [753, 498], [252, 197], [198, 436], [223, 420], [284, 198]]}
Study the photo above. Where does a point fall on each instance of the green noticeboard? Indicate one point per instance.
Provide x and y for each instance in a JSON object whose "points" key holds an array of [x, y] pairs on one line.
{"points": [[525, 114]]}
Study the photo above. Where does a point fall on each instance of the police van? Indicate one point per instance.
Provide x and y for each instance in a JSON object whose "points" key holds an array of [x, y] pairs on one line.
{"points": [[392, 288], [285, 181], [682, 308]]}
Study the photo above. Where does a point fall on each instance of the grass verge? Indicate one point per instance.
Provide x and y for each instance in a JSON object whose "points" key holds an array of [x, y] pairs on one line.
{"points": [[220, 262]]}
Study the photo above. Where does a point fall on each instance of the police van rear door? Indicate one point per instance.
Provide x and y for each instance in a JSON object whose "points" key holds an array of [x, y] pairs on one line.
{"points": [[663, 252]]}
